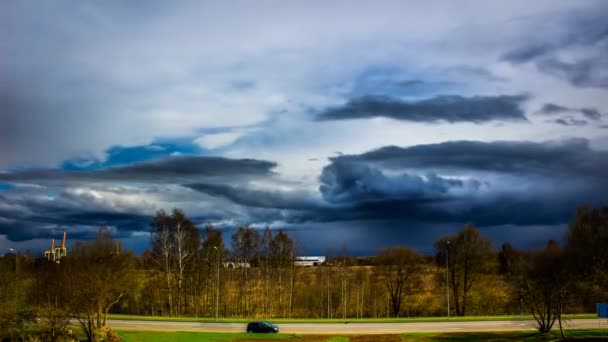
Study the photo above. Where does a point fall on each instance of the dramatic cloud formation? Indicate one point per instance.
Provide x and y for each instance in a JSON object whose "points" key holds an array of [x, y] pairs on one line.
{"points": [[441, 108], [443, 113], [485, 183]]}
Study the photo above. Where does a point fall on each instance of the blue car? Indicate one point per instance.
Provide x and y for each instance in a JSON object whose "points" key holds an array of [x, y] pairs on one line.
{"points": [[262, 327]]}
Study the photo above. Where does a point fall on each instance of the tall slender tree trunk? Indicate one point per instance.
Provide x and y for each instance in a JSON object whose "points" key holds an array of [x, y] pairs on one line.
{"points": [[291, 290]]}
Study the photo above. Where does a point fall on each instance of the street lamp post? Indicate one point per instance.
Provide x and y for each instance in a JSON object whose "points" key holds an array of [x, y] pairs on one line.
{"points": [[447, 277], [217, 287]]}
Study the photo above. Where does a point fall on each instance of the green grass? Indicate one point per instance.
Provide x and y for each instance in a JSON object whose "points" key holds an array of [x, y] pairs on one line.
{"points": [[573, 335], [338, 339], [554, 335], [147, 336], [339, 320]]}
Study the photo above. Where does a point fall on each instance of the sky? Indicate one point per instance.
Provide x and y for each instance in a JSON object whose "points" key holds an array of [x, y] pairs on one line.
{"points": [[363, 124]]}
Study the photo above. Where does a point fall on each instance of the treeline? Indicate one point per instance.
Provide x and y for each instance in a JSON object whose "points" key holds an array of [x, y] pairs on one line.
{"points": [[186, 272]]}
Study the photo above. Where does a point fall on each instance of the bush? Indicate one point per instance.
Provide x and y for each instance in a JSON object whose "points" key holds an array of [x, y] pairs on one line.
{"points": [[105, 334]]}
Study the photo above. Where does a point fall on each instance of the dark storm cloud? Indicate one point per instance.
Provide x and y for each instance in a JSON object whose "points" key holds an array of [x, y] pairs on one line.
{"points": [[174, 170], [492, 183], [451, 109], [569, 157], [348, 183]]}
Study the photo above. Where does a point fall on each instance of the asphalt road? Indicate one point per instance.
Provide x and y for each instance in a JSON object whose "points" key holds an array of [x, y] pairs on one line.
{"points": [[354, 328]]}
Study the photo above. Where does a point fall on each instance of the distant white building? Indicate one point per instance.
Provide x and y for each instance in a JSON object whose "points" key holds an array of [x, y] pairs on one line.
{"points": [[309, 260], [232, 264]]}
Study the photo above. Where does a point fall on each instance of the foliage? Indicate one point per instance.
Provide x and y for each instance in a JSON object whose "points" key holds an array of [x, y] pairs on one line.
{"points": [[586, 250], [49, 297], [98, 275], [544, 283], [15, 311]]}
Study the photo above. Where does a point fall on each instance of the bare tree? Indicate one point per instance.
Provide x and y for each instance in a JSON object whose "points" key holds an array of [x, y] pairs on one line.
{"points": [[245, 247], [399, 268], [282, 250], [213, 248], [470, 255], [162, 250], [186, 240]]}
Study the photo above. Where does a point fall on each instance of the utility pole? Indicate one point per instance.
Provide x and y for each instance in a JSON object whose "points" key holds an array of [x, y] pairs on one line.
{"points": [[447, 277], [217, 286]]}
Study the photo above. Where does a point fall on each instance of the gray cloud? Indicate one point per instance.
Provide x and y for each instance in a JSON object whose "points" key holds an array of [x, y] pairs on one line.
{"points": [[451, 109], [588, 72], [173, 170], [552, 109], [527, 53], [568, 121], [29, 217], [591, 113], [248, 197], [586, 31]]}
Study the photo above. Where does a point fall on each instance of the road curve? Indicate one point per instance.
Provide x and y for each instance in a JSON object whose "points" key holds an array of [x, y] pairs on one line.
{"points": [[354, 328]]}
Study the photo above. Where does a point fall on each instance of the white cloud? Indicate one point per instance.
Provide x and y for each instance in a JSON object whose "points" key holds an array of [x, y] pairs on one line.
{"points": [[216, 140]]}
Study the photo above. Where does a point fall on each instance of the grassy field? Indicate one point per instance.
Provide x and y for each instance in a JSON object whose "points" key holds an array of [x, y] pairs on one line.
{"points": [[573, 335], [339, 320]]}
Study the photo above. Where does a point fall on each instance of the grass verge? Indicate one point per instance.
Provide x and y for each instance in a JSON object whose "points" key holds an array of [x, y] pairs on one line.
{"points": [[554, 335], [572, 335]]}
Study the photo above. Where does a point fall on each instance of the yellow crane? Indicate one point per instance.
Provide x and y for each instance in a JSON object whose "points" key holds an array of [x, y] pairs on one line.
{"points": [[56, 253]]}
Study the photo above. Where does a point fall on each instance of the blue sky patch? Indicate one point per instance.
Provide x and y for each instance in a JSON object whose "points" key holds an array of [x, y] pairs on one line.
{"points": [[6, 186], [118, 155]]}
